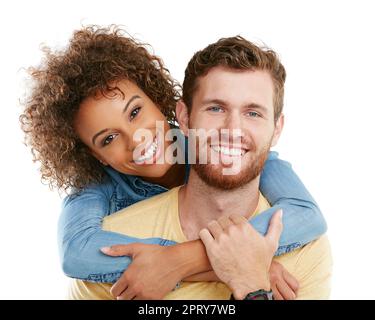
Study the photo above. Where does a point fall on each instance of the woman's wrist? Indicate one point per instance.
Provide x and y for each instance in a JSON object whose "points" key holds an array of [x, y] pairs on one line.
{"points": [[190, 258]]}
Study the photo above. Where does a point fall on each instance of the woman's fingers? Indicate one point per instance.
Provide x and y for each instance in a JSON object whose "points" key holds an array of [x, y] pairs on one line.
{"points": [[119, 287], [120, 250], [291, 281], [276, 293], [128, 294], [282, 282], [286, 292]]}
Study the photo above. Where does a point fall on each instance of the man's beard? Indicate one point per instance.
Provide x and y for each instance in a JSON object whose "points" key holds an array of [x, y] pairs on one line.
{"points": [[212, 174]]}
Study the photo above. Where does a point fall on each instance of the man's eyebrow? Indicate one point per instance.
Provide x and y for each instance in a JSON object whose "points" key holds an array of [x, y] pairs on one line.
{"points": [[128, 103], [225, 103], [257, 107], [98, 134], [217, 101]]}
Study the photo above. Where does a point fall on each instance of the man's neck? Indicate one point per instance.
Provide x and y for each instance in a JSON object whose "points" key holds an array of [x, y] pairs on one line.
{"points": [[200, 203]]}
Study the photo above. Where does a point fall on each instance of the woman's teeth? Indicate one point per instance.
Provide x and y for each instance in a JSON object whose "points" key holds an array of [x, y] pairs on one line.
{"points": [[235, 152], [149, 153]]}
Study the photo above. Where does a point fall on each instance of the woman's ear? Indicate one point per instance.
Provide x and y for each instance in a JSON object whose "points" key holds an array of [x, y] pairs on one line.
{"points": [[99, 158], [182, 115], [278, 129]]}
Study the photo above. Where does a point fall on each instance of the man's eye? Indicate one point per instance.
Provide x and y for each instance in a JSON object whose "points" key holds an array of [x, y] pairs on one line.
{"points": [[216, 109], [134, 113], [108, 140], [253, 114]]}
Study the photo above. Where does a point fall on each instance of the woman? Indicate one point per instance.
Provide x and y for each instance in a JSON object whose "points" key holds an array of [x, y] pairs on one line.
{"points": [[87, 103]]}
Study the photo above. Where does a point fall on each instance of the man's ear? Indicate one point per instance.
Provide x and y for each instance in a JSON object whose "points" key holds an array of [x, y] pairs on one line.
{"points": [[182, 115], [278, 128], [99, 158]]}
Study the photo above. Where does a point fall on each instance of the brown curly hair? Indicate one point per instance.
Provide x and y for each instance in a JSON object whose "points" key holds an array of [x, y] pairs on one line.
{"points": [[237, 53], [94, 60]]}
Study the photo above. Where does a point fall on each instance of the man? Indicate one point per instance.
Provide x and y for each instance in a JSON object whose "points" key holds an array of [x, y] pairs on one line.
{"points": [[231, 84]]}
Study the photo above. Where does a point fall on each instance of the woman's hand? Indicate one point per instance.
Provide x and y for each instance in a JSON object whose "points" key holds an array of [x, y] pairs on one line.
{"points": [[284, 285], [152, 274]]}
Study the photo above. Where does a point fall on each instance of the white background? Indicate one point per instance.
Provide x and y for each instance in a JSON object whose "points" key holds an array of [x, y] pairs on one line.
{"points": [[328, 50]]}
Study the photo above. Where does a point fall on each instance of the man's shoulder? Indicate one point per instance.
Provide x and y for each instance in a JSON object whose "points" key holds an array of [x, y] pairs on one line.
{"points": [[310, 252], [311, 265], [148, 206], [314, 268], [316, 250], [263, 203]]}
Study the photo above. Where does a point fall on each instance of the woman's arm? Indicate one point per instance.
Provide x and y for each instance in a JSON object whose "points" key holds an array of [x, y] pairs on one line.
{"points": [[80, 237], [303, 222]]}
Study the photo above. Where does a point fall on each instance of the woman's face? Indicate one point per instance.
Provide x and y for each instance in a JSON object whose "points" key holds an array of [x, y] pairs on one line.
{"points": [[107, 126]]}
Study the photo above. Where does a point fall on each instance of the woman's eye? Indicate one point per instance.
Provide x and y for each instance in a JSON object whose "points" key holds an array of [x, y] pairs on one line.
{"points": [[134, 113], [108, 140], [216, 109]]}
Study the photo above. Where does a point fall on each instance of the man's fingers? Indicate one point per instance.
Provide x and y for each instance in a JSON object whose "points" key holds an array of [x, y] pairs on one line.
{"points": [[275, 228], [206, 237], [120, 250], [237, 219], [215, 228], [225, 222]]}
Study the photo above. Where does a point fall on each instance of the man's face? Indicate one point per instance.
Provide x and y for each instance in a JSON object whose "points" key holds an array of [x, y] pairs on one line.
{"points": [[232, 99]]}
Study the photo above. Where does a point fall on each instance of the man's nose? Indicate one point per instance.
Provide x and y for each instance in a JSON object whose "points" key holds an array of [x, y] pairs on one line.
{"points": [[233, 121]]}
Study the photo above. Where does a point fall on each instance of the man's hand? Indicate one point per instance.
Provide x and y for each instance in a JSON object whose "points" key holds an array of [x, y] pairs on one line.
{"points": [[284, 286], [152, 274], [239, 255]]}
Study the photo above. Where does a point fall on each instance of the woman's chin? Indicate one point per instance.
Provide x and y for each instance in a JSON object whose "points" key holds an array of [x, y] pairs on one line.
{"points": [[156, 170], [147, 170]]}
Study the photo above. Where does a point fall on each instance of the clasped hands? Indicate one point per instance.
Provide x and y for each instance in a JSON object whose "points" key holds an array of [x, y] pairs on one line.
{"points": [[238, 254]]}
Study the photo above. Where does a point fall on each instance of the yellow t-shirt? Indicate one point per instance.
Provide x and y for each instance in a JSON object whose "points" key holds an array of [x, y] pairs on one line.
{"points": [[159, 217]]}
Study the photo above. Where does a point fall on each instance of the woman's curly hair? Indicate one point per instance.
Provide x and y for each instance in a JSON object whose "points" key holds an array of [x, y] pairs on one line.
{"points": [[93, 61]]}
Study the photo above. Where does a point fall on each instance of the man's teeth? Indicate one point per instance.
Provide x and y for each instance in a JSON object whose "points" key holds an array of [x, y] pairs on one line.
{"points": [[150, 152], [228, 151]]}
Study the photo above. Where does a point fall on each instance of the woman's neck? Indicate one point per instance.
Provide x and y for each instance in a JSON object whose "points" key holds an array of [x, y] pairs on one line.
{"points": [[174, 177]]}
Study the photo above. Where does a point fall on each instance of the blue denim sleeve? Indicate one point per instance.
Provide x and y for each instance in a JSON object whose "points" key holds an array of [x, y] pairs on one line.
{"points": [[302, 219], [80, 237]]}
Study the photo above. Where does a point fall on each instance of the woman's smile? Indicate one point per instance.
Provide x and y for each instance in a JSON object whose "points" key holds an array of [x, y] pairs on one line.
{"points": [[151, 153]]}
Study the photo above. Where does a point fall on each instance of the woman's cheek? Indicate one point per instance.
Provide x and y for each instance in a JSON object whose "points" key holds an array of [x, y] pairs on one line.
{"points": [[112, 156]]}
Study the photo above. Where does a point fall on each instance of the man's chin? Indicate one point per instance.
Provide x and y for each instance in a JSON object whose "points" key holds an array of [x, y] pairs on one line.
{"points": [[228, 178], [213, 176]]}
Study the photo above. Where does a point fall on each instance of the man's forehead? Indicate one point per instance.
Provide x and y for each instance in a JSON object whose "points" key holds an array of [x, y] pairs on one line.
{"points": [[222, 83]]}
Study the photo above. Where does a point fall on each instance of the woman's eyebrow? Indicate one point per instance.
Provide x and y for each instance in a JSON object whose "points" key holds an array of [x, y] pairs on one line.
{"points": [[123, 111], [128, 103], [98, 134]]}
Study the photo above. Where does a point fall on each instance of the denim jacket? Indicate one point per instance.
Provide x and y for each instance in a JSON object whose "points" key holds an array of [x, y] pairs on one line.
{"points": [[80, 234]]}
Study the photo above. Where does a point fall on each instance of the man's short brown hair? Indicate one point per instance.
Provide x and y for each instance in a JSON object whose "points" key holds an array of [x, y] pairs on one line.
{"points": [[235, 53]]}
